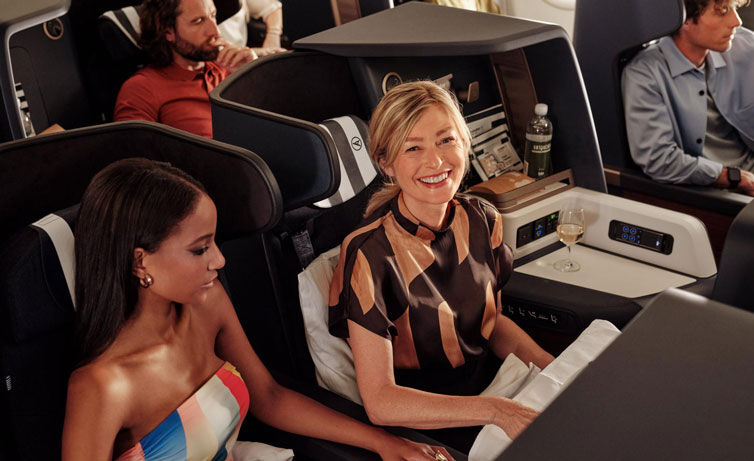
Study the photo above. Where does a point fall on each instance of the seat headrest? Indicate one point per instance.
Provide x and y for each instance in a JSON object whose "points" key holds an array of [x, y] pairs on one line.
{"points": [[57, 230], [349, 134], [119, 31], [37, 277], [127, 20]]}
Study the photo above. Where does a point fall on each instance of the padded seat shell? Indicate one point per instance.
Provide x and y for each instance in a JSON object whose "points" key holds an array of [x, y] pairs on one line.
{"points": [[59, 167], [46, 173]]}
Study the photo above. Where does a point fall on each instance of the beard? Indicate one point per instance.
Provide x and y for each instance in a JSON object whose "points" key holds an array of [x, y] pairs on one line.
{"points": [[193, 52]]}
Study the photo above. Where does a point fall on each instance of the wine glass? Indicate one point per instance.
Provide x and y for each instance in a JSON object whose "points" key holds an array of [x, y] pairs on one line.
{"points": [[570, 231]]}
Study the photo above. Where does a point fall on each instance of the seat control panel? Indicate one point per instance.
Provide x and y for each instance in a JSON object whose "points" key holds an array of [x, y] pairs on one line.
{"points": [[536, 229], [642, 237], [527, 313]]}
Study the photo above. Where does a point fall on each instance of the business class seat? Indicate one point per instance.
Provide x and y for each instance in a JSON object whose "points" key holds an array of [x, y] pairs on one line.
{"points": [[49, 173], [607, 34], [317, 223]]}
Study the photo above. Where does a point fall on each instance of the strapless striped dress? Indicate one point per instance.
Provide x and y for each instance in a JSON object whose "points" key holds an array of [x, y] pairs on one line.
{"points": [[204, 427]]}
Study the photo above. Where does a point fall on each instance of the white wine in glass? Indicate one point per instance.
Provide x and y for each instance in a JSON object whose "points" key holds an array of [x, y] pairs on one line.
{"points": [[570, 231]]}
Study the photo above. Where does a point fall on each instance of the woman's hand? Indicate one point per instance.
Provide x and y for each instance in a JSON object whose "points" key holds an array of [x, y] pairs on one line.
{"points": [[400, 449], [512, 417]]}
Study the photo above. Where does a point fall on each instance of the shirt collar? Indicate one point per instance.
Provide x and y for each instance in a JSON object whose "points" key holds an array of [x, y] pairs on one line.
{"points": [[175, 72], [412, 225], [715, 59], [678, 63]]}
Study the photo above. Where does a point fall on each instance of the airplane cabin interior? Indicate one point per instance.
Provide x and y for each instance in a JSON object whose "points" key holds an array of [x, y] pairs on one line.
{"points": [[669, 266]]}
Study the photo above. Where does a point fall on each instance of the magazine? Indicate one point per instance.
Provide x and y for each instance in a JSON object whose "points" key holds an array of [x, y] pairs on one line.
{"points": [[491, 153]]}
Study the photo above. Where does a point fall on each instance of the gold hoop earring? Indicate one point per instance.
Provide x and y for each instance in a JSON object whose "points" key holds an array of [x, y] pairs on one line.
{"points": [[146, 281]]}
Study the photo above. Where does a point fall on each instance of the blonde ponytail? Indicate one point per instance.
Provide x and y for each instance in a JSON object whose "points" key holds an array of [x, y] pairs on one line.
{"points": [[386, 193]]}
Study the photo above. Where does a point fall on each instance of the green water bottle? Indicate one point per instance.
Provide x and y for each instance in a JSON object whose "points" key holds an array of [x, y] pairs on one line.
{"points": [[537, 161]]}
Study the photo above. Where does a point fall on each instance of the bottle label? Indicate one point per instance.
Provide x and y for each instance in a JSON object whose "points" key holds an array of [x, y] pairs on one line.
{"points": [[537, 155]]}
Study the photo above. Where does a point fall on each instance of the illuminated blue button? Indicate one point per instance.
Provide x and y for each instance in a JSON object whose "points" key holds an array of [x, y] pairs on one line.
{"points": [[633, 230], [538, 233], [624, 236], [625, 228], [631, 238]]}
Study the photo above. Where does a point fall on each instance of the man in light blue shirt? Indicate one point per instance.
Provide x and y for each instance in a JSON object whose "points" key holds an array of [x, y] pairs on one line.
{"points": [[689, 101]]}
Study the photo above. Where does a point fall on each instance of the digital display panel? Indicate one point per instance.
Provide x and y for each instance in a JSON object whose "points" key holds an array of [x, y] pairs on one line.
{"points": [[641, 237]]}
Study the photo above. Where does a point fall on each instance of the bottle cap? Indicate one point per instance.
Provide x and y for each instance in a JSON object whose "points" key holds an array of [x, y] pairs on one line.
{"points": [[540, 109]]}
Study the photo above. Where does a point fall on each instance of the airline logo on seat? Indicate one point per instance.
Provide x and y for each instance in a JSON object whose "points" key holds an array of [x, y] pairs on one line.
{"points": [[356, 143], [53, 29]]}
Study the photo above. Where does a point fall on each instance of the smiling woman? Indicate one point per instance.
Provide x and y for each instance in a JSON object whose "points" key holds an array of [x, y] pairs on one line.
{"points": [[431, 166], [417, 286], [413, 123]]}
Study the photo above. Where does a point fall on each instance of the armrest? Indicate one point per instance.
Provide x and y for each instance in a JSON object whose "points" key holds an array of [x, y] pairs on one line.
{"points": [[709, 198], [574, 307], [318, 449]]}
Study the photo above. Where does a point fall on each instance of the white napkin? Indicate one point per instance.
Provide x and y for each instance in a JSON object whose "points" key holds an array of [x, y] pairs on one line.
{"points": [[255, 451], [541, 388]]}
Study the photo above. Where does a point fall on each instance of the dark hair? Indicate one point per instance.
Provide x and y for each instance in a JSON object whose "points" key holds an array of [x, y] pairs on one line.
{"points": [[694, 8], [157, 18], [132, 203]]}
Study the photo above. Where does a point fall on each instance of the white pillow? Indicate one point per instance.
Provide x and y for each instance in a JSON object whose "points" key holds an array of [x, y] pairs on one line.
{"points": [[332, 357]]}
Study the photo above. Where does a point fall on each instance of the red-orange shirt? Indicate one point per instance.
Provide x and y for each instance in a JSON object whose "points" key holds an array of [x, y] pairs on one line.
{"points": [[171, 95]]}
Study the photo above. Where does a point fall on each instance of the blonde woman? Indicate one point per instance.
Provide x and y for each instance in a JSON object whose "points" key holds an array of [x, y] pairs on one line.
{"points": [[417, 287]]}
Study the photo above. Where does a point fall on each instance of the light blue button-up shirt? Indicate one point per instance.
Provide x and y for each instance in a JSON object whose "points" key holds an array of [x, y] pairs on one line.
{"points": [[664, 95]]}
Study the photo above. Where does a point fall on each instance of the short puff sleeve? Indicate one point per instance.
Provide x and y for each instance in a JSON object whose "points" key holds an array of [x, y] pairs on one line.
{"points": [[356, 294]]}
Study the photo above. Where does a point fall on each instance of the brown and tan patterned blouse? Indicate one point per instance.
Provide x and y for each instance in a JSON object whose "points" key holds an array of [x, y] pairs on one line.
{"points": [[434, 294]]}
